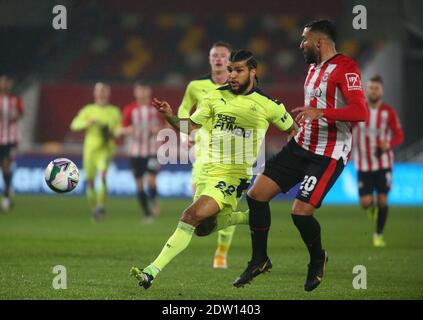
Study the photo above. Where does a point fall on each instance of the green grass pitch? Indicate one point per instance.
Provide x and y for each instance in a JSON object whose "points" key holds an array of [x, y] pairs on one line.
{"points": [[44, 231]]}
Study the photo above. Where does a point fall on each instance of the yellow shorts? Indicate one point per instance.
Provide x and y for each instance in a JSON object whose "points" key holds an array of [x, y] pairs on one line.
{"points": [[196, 172], [226, 191], [96, 161]]}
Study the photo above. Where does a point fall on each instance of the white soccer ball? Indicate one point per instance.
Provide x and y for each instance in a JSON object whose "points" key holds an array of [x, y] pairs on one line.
{"points": [[62, 175]]}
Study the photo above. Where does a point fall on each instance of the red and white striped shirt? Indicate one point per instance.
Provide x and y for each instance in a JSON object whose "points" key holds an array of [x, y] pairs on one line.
{"points": [[383, 125], [335, 86], [143, 143], [11, 108]]}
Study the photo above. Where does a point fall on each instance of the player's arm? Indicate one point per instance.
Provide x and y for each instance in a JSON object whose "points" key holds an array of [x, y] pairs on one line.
{"points": [[81, 121], [397, 133], [355, 109], [156, 123], [19, 109], [183, 125], [282, 119], [188, 102], [115, 125], [126, 127], [184, 111]]}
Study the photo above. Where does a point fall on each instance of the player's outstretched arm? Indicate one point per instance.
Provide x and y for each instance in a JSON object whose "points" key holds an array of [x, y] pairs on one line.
{"points": [[81, 121], [166, 111]]}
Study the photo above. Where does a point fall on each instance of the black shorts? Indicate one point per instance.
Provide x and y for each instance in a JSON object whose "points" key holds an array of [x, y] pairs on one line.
{"points": [[293, 164], [6, 151], [371, 181], [141, 165]]}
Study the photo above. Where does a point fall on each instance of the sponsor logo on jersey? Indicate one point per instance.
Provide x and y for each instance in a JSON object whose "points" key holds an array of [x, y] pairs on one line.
{"points": [[353, 81], [227, 123]]}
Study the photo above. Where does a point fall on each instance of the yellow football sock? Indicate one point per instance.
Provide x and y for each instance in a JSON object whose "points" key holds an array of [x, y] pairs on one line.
{"points": [[175, 245], [224, 240], [91, 196], [101, 194], [226, 217]]}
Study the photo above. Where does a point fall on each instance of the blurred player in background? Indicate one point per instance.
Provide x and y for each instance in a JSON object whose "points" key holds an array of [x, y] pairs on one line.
{"points": [[101, 123], [195, 91], [141, 123], [11, 111], [240, 113], [315, 157], [373, 156]]}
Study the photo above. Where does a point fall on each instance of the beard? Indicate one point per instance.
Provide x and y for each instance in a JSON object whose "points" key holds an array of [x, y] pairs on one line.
{"points": [[374, 100], [242, 87], [311, 56]]}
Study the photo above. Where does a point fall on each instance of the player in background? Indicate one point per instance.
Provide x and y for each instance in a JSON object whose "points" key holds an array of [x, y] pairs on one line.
{"points": [[101, 123], [195, 91], [315, 157], [239, 113], [373, 156], [141, 123], [11, 111]]}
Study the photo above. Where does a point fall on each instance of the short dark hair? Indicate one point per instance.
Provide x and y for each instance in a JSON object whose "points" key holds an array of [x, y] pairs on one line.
{"points": [[324, 26], [376, 78], [140, 83], [222, 44], [244, 55]]}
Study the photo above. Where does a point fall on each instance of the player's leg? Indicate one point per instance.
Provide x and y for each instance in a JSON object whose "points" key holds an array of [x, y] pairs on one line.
{"points": [[152, 187], [224, 241], [139, 167], [383, 187], [203, 208], [90, 173], [102, 165], [366, 187], [320, 175], [258, 197], [282, 172], [6, 166], [227, 191], [152, 169], [225, 236]]}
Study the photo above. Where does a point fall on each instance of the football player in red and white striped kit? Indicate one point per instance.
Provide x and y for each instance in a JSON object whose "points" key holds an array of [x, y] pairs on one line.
{"points": [[315, 157], [11, 111], [373, 156], [141, 123]]}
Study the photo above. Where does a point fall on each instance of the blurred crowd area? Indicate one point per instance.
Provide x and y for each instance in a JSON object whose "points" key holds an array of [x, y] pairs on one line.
{"points": [[108, 42]]}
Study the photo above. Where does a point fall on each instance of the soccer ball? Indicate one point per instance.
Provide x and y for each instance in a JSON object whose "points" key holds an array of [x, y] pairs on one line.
{"points": [[62, 175]]}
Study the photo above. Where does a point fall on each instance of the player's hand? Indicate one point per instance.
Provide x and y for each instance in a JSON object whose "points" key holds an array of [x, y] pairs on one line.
{"points": [[91, 122], [291, 135], [163, 107], [307, 113], [385, 146]]}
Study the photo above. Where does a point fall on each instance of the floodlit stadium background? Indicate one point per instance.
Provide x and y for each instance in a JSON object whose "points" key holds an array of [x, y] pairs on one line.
{"points": [[165, 43]]}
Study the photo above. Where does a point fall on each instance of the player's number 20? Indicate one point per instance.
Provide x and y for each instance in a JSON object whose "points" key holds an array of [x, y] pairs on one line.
{"points": [[308, 183]]}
